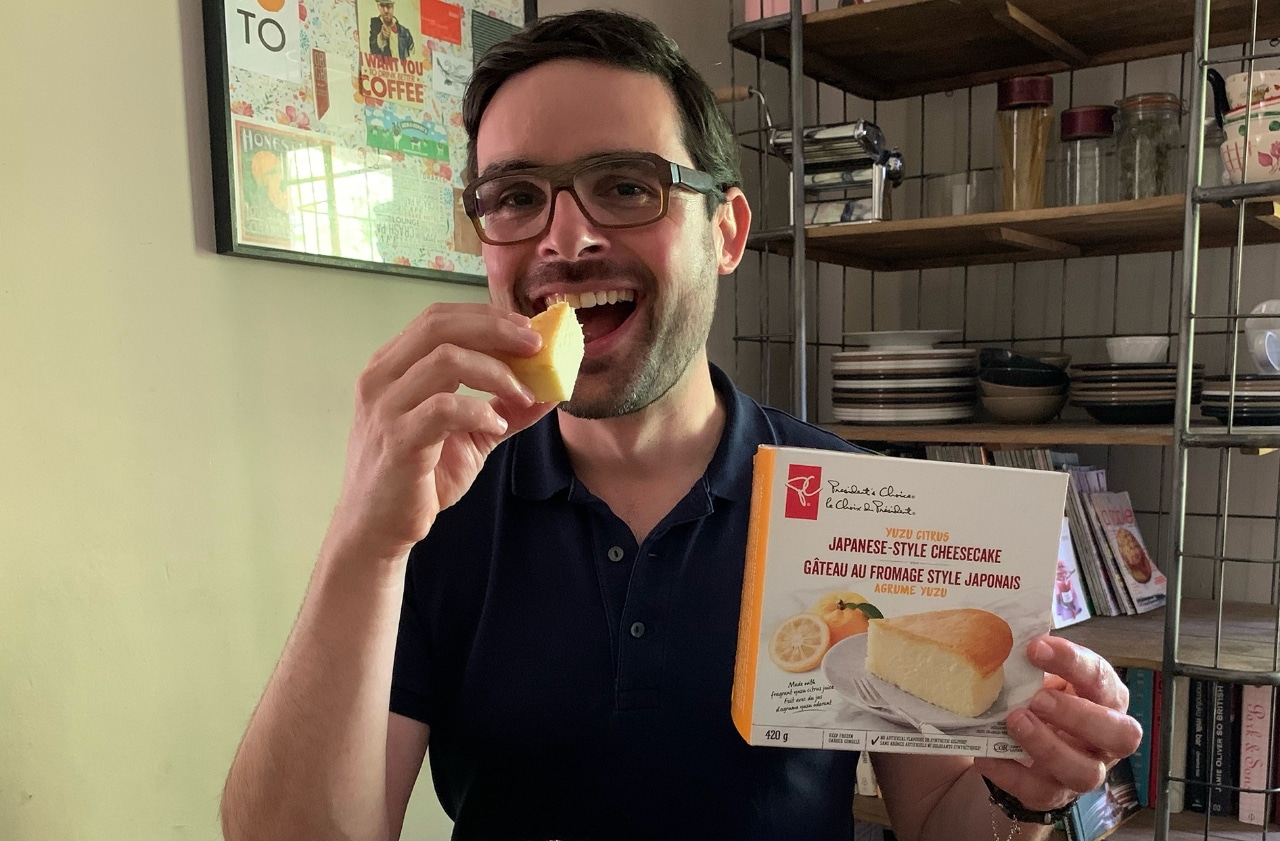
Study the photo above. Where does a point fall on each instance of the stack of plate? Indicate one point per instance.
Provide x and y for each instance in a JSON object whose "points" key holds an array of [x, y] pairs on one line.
{"points": [[1130, 392], [1257, 400], [900, 382]]}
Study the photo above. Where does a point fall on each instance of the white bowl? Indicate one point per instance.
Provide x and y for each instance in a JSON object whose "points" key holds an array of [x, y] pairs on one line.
{"points": [[1251, 151], [1266, 87], [1141, 349], [1264, 337]]}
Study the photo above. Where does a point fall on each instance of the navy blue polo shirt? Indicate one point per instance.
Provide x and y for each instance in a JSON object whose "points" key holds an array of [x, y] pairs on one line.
{"points": [[577, 683]]}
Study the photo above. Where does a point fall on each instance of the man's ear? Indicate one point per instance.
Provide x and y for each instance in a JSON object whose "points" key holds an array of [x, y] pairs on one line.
{"points": [[732, 222]]}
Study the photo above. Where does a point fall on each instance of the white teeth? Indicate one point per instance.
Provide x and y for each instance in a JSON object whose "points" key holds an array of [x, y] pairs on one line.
{"points": [[586, 300]]}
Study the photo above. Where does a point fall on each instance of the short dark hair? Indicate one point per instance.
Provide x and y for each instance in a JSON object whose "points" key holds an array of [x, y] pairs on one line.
{"points": [[620, 40]]}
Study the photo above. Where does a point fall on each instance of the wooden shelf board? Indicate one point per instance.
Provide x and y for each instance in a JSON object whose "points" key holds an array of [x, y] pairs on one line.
{"points": [[1039, 435], [896, 48], [1138, 641], [1128, 227]]}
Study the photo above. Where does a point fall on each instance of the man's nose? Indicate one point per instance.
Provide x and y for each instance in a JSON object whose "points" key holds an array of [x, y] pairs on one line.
{"points": [[571, 234]]}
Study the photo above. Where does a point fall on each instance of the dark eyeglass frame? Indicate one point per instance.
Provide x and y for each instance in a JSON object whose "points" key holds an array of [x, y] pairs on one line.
{"points": [[561, 177]]}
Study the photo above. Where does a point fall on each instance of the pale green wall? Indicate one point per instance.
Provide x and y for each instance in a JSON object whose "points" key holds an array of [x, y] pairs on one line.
{"points": [[172, 424]]}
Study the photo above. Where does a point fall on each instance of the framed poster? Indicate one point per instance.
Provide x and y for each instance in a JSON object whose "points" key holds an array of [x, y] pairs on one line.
{"points": [[336, 129]]}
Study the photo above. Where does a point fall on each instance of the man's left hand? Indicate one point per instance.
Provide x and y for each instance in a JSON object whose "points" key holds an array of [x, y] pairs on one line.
{"points": [[1075, 729]]}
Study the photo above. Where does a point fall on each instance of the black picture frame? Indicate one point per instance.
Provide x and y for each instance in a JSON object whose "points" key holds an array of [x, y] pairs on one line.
{"points": [[299, 198]]}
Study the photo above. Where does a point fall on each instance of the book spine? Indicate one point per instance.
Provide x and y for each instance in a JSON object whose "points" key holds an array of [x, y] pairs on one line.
{"points": [[1178, 743], [1157, 719], [1198, 735], [1255, 744], [1224, 768], [1141, 684]]}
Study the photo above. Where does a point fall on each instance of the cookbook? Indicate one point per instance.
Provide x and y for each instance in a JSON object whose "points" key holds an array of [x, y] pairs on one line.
{"points": [[887, 603]]}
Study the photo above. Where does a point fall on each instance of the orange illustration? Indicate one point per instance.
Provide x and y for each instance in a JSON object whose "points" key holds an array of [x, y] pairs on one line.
{"points": [[799, 643], [271, 5], [845, 613]]}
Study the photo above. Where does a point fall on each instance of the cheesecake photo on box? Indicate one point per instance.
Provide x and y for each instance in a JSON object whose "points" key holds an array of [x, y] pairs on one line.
{"points": [[887, 603]]}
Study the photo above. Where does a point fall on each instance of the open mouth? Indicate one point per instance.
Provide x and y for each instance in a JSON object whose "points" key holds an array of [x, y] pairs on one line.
{"points": [[600, 313]]}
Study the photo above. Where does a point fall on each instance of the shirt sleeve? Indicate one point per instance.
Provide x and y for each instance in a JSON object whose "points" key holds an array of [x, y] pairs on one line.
{"points": [[411, 674]]}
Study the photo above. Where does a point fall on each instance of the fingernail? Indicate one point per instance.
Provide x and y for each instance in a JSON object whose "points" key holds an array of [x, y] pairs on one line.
{"points": [[1044, 703], [1019, 723], [518, 319], [532, 338], [1039, 652]]}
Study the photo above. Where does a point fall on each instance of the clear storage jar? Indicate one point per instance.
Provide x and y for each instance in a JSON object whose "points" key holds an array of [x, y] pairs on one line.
{"points": [[1149, 150], [1024, 118], [1086, 155]]}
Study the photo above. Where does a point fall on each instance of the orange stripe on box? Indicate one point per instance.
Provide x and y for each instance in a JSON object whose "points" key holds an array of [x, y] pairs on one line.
{"points": [[744, 671]]}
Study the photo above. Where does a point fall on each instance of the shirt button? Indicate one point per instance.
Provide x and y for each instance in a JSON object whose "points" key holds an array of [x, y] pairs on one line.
{"points": [[615, 553], [637, 629]]}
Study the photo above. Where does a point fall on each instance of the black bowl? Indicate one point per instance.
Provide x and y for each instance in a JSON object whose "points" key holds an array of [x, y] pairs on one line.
{"points": [[1025, 377], [998, 357]]}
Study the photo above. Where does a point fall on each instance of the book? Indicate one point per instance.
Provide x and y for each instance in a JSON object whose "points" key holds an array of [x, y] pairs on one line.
{"points": [[1154, 782], [1097, 813], [1107, 556], [1082, 481], [1257, 705], [1070, 604], [1178, 743], [1198, 727], [1141, 579], [1141, 683], [887, 602], [1224, 745]]}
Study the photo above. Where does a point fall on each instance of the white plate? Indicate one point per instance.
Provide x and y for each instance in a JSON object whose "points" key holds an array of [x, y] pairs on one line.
{"points": [[966, 410], [846, 662], [904, 385], [899, 365], [901, 338]]}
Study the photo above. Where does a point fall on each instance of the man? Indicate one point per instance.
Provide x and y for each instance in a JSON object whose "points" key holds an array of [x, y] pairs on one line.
{"points": [[566, 627], [386, 35]]}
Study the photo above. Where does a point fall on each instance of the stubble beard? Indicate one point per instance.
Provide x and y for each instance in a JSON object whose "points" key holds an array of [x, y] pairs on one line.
{"points": [[671, 341]]}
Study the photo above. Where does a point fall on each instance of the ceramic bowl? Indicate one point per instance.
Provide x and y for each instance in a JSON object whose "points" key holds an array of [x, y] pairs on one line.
{"points": [[1056, 358], [997, 390], [1033, 409], [1251, 151], [1144, 349], [1263, 334], [1025, 377], [1265, 88]]}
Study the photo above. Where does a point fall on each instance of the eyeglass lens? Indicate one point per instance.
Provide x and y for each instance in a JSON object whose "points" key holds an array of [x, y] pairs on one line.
{"points": [[613, 193]]}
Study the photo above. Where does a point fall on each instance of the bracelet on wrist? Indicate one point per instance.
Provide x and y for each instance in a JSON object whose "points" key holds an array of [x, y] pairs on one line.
{"points": [[1015, 811]]}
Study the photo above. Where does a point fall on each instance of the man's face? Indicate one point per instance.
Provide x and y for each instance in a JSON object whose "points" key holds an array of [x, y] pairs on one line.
{"points": [[663, 274], [387, 11]]}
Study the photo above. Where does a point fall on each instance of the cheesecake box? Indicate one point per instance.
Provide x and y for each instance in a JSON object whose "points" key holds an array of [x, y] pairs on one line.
{"points": [[887, 602]]}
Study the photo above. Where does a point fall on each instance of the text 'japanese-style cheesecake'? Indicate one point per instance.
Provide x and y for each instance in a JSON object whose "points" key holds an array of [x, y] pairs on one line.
{"points": [[551, 372], [953, 659]]}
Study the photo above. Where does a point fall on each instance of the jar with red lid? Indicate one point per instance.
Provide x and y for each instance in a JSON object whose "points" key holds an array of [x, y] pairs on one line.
{"points": [[1024, 118], [1086, 155], [1149, 150]]}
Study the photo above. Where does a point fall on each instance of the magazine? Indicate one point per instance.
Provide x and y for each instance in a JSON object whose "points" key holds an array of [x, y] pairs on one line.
{"points": [[1140, 578], [1070, 604]]}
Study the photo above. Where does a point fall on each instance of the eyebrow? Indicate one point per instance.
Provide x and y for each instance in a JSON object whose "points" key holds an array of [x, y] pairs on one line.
{"points": [[523, 164]]}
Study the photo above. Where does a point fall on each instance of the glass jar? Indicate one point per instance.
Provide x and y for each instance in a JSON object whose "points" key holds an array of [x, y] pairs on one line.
{"points": [[1149, 151], [1086, 156], [1023, 121]]}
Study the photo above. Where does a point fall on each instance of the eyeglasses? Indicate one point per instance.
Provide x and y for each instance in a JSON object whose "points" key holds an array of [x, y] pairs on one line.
{"points": [[625, 190]]}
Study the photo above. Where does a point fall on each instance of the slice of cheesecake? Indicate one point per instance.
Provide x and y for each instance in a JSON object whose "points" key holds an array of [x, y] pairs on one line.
{"points": [[953, 659], [551, 372]]}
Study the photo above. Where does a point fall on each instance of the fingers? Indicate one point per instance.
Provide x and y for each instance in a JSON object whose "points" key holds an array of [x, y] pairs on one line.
{"points": [[446, 413], [1089, 675], [447, 367], [480, 327], [1106, 732]]}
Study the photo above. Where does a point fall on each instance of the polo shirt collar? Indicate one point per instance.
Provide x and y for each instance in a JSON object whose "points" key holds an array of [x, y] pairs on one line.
{"points": [[540, 466]]}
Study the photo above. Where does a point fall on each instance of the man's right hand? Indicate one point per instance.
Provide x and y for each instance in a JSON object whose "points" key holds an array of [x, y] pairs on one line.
{"points": [[416, 444]]}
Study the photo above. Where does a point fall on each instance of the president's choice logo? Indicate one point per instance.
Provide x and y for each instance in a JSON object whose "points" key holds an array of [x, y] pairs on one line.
{"points": [[803, 484]]}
